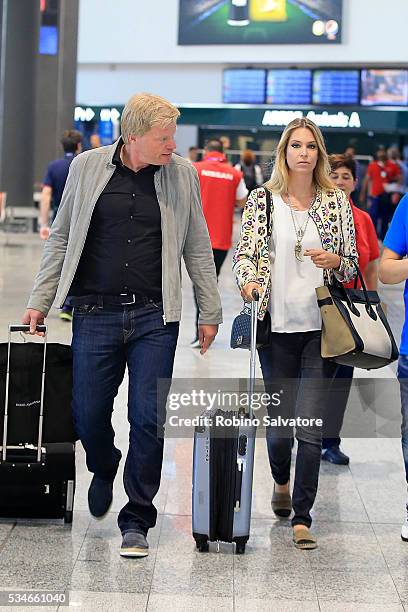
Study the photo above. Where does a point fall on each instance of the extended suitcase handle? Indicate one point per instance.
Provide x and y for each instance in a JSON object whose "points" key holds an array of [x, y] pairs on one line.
{"points": [[24, 328], [255, 295], [254, 327]]}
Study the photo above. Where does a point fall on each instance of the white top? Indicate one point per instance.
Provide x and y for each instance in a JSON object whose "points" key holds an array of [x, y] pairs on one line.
{"points": [[242, 191], [293, 304]]}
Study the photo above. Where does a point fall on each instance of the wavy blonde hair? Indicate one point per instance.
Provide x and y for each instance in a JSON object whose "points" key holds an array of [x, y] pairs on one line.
{"points": [[278, 183]]}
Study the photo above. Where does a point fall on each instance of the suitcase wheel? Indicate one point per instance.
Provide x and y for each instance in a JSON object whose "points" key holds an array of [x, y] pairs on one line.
{"points": [[68, 517], [203, 546], [239, 549]]}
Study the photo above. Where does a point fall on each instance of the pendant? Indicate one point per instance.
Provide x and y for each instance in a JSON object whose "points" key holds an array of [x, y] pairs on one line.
{"points": [[298, 251]]}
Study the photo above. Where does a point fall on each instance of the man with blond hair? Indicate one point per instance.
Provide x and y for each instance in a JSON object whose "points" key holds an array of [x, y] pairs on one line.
{"points": [[128, 214]]}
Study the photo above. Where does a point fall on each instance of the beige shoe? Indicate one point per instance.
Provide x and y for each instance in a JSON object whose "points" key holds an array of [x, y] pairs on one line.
{"points": [[281, 503], [303, 539]]}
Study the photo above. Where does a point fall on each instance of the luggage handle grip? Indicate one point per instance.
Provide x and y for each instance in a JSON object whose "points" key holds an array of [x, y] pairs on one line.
{"points": [[25, 328]]}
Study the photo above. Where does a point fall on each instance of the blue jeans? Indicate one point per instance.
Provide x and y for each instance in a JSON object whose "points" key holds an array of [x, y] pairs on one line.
{"points": [[402, 374], [105, 341], [381, 211], [293, 361]]}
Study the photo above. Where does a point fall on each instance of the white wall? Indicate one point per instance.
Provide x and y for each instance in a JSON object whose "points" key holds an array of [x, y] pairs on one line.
{"points": [[99, 84], [138, 39]]}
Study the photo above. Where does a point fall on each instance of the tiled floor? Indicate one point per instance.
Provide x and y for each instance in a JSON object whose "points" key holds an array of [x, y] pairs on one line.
{"points": [[361, 563]]}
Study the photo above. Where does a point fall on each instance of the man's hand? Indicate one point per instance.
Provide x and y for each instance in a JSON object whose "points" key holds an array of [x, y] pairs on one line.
{"points": [[33, 318], [248, 289], [44, 232], [323, 259], [206, 335]]}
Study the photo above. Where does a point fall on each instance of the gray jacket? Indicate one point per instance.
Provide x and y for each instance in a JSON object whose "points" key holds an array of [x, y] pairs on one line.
{"points": [[184, 233]]}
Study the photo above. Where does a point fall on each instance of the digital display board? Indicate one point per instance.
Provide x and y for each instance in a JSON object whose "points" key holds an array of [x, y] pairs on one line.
{"points": [[289, 87], [336, 87], [384, 87], [244, 86], [48, 43], [252, 22]]}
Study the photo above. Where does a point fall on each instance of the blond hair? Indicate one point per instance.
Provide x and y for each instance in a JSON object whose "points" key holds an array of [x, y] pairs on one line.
{"points": [[278, 183], [143, 111]]}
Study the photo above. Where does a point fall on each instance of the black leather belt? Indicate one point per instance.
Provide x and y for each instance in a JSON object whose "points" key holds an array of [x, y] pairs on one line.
{"points": [[124, 299]]}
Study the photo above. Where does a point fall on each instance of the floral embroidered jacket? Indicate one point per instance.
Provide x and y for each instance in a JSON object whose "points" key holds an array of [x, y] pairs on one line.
{"points": [[333, 217]]}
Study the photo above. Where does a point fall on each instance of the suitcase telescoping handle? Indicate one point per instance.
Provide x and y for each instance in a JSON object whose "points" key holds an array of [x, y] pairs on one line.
{"points": [[24, 328], [254, 327]]}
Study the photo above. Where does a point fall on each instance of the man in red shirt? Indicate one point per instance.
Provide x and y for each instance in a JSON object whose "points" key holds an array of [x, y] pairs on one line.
{"points": [[222, 188], [381, 173]]}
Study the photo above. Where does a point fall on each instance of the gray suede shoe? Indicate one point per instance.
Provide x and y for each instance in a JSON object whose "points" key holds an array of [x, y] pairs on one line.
{"points": [[134, 544], [281, 503]]}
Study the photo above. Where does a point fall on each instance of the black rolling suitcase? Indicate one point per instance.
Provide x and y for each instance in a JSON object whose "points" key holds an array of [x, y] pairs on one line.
{"points": [[37, 455], [223, 460]]}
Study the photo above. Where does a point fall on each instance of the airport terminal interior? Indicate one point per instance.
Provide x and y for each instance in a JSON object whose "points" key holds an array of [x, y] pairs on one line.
{"points": [[239, 71]]}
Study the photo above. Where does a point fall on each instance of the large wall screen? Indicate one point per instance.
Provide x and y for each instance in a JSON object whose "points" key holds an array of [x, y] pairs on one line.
{"points": [[253, 22], [289, 87], [336, 87], [244, 86], [384, 87]]}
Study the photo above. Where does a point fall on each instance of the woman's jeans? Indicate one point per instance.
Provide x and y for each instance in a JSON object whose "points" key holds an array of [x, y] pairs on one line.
{"points": [[293, 362], [402, 374], [105, 341]]}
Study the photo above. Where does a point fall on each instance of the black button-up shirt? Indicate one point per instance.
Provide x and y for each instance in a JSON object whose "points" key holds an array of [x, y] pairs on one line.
{"points": [[123, 248]]}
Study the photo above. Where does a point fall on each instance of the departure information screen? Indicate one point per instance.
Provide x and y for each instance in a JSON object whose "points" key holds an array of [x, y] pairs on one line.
{"points": [[336, 86], [244, 86], [289, 87]]}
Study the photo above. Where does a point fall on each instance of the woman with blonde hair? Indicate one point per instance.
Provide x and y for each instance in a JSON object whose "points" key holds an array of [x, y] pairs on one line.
{"points": [[309, 241]]}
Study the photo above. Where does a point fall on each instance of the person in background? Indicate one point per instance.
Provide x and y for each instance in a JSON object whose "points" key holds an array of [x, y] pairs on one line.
{"points": [[250, 169], [350, 151], [394, 270], [193, 153], [222, 188], [380, 172], [226, 144], [95, 141], [400, 188], [129, 213], [343, 175], [310, 233], [51, 194]]}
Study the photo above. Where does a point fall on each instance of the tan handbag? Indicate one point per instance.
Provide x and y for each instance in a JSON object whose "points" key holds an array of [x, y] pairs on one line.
{"points": [[355, 330]]}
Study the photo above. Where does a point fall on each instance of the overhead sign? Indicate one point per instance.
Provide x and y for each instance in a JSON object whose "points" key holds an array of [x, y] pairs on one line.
{"points": [[105, 114], [323, 119]]}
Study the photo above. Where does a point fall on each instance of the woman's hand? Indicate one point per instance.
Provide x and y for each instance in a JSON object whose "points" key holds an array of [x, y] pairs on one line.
{"points": [[323, 259], [248, 289]]}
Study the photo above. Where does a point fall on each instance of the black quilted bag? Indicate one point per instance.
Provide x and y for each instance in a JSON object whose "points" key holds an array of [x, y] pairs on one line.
{"points": [[241, 330]]}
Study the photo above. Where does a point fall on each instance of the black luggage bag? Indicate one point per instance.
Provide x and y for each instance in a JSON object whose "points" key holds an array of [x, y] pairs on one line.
{"points": [[37, 452]]}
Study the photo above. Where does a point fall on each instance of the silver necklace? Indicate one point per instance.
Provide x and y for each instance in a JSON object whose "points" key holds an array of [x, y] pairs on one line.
{"points": [[300, 231]]}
